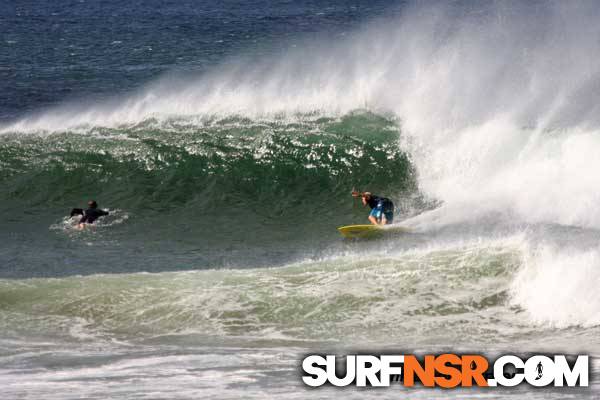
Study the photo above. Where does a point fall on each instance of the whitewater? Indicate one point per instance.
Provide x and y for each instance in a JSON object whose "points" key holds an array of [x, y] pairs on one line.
{"points": [[220, 265]]}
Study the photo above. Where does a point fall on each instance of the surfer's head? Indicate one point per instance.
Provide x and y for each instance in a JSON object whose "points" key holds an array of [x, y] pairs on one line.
{"points": [[92, 204], [366, 196]]}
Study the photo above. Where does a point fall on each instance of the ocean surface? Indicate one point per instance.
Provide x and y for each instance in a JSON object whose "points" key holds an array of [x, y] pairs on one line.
{"points": [[224, 137]]}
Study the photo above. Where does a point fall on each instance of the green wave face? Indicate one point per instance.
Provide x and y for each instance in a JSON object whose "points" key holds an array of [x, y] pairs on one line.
{"points": [[215, 192]]}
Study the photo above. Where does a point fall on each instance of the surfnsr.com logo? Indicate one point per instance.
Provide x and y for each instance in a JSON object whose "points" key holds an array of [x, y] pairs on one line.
{"points": [[444, 370]]}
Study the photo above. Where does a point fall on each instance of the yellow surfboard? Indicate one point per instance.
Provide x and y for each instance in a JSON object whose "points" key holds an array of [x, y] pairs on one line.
{"points": [[370, 231]]}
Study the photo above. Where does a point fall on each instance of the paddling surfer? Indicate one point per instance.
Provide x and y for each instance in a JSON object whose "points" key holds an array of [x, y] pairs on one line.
{"points": [[90, 215]]}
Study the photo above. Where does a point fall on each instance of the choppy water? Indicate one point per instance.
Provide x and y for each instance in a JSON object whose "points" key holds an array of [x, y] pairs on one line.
{"points": [[225, 139]]}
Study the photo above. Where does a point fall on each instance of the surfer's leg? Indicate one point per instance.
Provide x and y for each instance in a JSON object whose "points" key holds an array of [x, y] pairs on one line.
{"points": [[375, 216], [388, 218]]}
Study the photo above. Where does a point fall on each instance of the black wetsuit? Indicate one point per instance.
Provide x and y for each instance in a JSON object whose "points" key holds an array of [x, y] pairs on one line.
{"points": [[381, 206], [384, 203], [90, 215]]}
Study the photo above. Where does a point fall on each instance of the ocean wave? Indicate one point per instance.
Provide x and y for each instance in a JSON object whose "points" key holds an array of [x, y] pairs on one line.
{"points": [[244, 165], [498, 107], [449, 289], [494, 116]]}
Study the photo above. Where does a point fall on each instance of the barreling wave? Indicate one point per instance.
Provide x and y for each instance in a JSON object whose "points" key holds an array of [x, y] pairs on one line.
{"points": [[497, 103], [218, 182], [498, 112]]}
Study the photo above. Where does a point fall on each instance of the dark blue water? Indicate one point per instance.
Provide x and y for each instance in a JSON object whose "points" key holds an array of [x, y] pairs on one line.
{"points": [[54, 51]]}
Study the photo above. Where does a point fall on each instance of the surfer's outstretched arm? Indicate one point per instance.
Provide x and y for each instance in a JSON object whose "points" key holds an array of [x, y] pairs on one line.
{"points": [[76, 211]]}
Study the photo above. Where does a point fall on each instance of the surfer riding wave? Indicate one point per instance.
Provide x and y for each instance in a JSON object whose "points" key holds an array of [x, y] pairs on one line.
{"points": [[382, 208]]}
